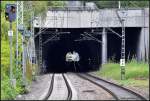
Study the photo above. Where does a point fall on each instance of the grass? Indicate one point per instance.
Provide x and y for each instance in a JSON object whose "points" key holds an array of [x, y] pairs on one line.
{"points": [[136, 74]]}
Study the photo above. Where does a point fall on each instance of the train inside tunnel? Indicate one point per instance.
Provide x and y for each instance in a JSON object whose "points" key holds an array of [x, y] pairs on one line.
{"points": [[90, 51], [55, 47]]}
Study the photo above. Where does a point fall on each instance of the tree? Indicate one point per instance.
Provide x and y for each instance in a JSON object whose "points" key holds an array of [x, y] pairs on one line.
{"points": [[38, 7], [135, 4]]}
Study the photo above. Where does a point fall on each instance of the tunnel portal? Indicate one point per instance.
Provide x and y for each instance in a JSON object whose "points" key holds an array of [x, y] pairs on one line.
{"points": [[90, 51], [54, 52]]}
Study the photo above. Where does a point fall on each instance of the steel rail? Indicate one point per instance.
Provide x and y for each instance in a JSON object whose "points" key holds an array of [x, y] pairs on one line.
{"points": [[130, 92], [109, 91], [50, 88], [68, 87], [48, 95]]}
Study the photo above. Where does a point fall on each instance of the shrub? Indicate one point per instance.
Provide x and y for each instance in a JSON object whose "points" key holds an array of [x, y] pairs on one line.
{"points": [[7, 91]]}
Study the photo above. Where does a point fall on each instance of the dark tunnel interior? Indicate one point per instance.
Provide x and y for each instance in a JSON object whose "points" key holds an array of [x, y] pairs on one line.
{"points": [[131, 43], [54, 51]]}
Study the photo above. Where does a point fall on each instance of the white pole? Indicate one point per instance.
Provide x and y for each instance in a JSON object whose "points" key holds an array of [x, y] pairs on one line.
{"points": [[17, 38], [119, 4], [11, 67], [104, 46], [23, 49]]}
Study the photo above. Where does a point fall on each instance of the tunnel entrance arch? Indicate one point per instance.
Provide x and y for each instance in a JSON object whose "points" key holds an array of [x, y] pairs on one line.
{"points": [[54, 52]]}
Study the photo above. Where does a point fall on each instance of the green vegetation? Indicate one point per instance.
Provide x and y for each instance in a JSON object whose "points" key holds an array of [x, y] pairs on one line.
{"points": [[124, 4], [137, 74], [7, 91], [55, 3]]}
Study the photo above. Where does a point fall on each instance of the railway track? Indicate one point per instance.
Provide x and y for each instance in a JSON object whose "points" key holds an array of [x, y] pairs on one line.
{"points": [[118, 92], [60, 88]]}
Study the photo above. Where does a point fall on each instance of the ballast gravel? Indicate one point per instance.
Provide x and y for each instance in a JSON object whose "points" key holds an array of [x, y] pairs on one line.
{"points": [[87, 90], [38, 88]]}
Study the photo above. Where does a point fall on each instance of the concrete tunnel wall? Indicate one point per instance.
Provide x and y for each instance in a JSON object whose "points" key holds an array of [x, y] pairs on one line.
{"points": [[54, 52]]}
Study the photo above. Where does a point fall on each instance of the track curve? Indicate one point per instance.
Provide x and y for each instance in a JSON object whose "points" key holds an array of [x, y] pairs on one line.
{"points": [[59, 88], [118, 92]]}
